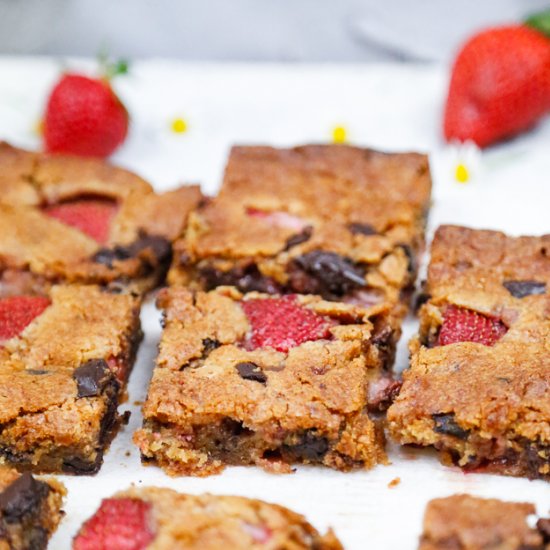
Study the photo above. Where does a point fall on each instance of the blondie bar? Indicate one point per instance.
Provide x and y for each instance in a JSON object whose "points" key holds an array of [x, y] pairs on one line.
{"points": [[64, 363], [338, 221], [464, 522], [165, 520], [256, 379], [30, 510], [80, 220], [478, 388]]}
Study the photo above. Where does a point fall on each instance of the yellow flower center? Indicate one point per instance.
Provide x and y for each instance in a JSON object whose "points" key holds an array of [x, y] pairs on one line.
{"points": [[339, 134], [462, 174], [179, 126]]}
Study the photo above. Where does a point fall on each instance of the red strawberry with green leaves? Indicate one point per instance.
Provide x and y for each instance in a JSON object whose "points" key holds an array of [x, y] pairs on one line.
{"points": [[500, 83], [84, 116], [466, 325], [118, 524]]}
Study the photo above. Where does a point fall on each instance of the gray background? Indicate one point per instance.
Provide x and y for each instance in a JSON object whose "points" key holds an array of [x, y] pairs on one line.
{"points": [[251, 30]]}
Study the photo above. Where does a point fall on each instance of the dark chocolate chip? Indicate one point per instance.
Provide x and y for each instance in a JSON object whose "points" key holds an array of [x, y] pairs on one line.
{"points": [[411, 257], [246, 279], [445, 423], [299, 238], [310, 447], [543, 525], [520, 289], [334, 274], [36, 372], [79, 466], [92, 377], [362, 229], [251, 371], [208, 345], [159, 246], [22, 497]]}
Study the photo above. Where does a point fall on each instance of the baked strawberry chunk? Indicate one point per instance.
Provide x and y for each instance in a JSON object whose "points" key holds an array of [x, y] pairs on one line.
{"points": [[465, 325], [278, 219], [118, 524], [282, 323], [16, 312], [91, 216]]}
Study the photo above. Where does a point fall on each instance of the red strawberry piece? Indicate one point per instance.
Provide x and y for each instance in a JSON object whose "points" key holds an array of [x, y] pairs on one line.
{"points": [[278, 218], [16, 312], [91, 216], [118, 524], [282, 323], [84, 117], [500, 85], [465, 325]]}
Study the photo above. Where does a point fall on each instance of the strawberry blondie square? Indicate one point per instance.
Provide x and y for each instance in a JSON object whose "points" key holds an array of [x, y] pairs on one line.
{"points": [[161, 519], [464, 522], [267, 380], [338, 221], [478, 388], [80, 220], [30, 510], [64, 363]]}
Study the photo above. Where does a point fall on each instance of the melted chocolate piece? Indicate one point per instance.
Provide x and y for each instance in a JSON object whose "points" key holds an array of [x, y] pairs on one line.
{"points": [[92, 377], [208, 345], [362, 229], [159, 246], [299, 238], [445, 424], [310, 447], [36, 372], [251, 371], [520, 289], [246, 279], [329, 274], [22, 497]]}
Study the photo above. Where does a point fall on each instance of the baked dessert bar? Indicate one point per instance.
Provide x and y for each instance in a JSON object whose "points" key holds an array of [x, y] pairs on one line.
{"points": [[464, 522], [64, 363], [30, 510], [478, 388], [80, 220], [256, 379], [338, 221], [165, 520]]}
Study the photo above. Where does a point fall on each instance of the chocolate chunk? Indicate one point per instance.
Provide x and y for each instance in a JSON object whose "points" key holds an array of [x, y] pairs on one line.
{"points": [[159, 247], [362, 229], [107, 256], [79, 466], [520, 289], [251, 371], [92, 377], [445, 424], [208, 345], [246, 279], [299, 238], [21, 497], [412, 265], [310, 447], [36, 372], [334, 275], [543, 525]]}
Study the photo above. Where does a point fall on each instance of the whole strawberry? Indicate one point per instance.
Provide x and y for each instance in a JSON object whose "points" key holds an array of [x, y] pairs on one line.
{"points": [[84, 117], [500, 85]]}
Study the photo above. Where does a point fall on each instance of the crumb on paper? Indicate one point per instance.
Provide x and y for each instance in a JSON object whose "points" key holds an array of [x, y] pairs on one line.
{"points": [[394, 482]]}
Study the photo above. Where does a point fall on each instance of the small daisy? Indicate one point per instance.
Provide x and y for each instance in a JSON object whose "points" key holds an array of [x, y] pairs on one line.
{"points": [[465, 162], [179, 125]]}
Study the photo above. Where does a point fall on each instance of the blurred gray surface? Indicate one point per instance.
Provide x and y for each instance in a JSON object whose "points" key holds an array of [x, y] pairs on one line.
{"points": [[252, 30]]}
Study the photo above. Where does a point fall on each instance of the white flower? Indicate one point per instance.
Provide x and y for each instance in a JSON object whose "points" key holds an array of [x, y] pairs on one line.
{"points": [[464, 162]]}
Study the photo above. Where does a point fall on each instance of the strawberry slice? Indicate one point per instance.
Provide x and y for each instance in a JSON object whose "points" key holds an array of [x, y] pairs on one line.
{"points": [[465, 325], [278, 218], [118, 524], [16, 312], [91, 216], [282, 323]]}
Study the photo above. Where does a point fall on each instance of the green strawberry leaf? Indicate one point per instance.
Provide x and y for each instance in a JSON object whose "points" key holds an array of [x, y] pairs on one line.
{"points": [[540, 22]]}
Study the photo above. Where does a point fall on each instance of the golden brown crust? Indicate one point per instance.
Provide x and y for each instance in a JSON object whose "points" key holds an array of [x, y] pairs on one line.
{"points": [[45, 420], [30, 510], [464, 522], [195, 389], [484, 407], [37, 251], [209, 522]]}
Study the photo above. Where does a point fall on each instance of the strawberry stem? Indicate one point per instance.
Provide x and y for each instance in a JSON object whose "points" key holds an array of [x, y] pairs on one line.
{"points": [[110, 69], [540, 22]]}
